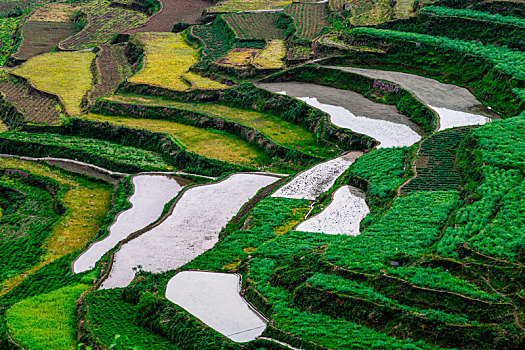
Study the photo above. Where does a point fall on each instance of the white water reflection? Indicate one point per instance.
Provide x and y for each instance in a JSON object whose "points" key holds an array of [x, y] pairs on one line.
{"points": [[215, 300], [449, 118], [151, 193], [387, 133], [342, 216], [192, 228]]}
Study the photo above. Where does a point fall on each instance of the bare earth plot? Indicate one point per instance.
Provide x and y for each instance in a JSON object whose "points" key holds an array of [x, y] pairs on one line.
{"points": [[173, 11], [35, 106], [45, 29]]}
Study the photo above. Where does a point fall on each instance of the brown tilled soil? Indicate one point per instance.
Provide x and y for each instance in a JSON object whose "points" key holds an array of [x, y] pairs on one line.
{"points": [[42, 37], [34, 105], [173, 11], [112, 69]]}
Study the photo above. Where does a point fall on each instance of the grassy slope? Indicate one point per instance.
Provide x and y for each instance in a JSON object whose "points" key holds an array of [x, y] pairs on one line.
{"points": [[66, 74], [271, 57], [44, 322], [86, 202], [283, 132], [211, 144], [124, 154]]}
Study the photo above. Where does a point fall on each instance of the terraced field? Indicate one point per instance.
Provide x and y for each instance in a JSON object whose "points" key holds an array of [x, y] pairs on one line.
{"points": [[208, 143], [45, 28], [379, 247], [65, 74], [103, 23], [8, 28], [285, 133], [112, 69], [309, 18], [35, 106], [167, 61], [254, 26]]}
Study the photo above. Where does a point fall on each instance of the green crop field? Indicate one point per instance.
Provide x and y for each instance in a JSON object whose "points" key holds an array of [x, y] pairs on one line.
{"points": [[254, 26], [285, 133], [309, 18], [354, 245], [208, 143]]}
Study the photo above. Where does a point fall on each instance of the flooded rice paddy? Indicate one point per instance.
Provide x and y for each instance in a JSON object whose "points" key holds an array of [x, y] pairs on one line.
{"points": [[350, 110], [454, 105], [342, 216], [151, 193], [192, 228], [312, 182], [215, 300]]}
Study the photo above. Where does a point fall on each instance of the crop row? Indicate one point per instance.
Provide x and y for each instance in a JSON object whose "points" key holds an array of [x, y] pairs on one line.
{"points": [[254, 26], [8, 27], [435, 166], [506, 60], [480, 15], [215, 39], [309, 19], [103, 23]]}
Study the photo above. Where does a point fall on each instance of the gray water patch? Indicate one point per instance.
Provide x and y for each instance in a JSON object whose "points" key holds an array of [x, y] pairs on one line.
{"points": [[342, 216], [215, 300], [387, 133], [350, 100], [192, 228], [430, 91], [151, 193], [312, 182]]}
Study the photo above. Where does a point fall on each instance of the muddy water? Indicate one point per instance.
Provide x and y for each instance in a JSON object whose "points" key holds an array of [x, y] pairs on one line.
{"points": [[86, 169], [151, 193], [215, 300], [353, 111], [342, 216], [192, 228], [446, 99], [311, 183]]}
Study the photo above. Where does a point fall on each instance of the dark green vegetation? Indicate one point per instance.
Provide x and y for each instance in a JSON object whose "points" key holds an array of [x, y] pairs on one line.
{"points": [[440, 258], [434, 167]]}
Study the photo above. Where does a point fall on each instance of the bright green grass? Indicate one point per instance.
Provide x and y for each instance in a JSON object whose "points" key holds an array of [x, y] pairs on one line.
{"points": [[44, 322], [207, 143], [283, 132], [124, 154]]}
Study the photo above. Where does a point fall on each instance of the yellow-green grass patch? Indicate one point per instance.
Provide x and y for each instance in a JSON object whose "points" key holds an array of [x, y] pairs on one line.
{"points": [[283, 132], [66, 74], [168, 59], [272, 56], [44, 321], [3, 127], [248, 5], [208, 143], [55, 12], [239, 58], [87, 203]]}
